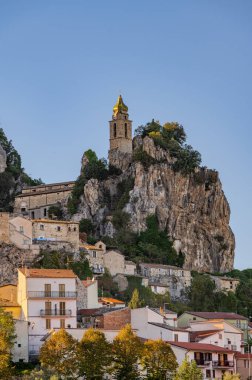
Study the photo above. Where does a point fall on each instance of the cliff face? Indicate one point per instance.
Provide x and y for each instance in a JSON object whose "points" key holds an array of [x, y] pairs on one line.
{"points": [[191, 208]]}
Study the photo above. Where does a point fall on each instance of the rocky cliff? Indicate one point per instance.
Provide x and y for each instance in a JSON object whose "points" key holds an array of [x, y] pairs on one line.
{"points": [[191, 208]]}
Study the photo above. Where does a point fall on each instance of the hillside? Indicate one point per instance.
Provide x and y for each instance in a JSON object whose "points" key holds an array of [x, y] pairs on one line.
{"points": [[163, 178]]}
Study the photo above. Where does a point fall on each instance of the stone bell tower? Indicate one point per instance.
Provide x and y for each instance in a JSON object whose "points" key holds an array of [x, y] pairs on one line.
{"points": [[120, 135]]}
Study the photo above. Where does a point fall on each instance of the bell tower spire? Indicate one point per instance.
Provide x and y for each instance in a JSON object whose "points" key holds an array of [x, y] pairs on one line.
{"points": [[120, 131]]}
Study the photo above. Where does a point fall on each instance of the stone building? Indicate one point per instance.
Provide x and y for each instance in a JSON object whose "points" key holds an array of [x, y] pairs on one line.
{"points": [[163, 278], [30, 234], [87, 294], [3, 164], [225, 284], [120, 127], [35, 201]]}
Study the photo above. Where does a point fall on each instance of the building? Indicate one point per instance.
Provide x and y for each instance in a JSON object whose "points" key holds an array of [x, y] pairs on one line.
{"points": [[105, 318], [214, 361], [111, 302], [95, 256], [156, 324], [120, 130], [234, 319], [3, 159], [35, 201], [87, 294], [48, 300], [225, 284], [27, 233], [163, 278], [244, 365], [217, 332]]}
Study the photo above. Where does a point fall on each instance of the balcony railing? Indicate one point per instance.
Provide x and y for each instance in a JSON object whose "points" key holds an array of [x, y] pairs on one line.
{"points": [[55, 313], [223, 363], [49, 294]]}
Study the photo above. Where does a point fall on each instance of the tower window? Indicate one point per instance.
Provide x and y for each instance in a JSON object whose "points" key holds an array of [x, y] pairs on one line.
{"points": [[125, 117], [125, 130], [114, 129]]}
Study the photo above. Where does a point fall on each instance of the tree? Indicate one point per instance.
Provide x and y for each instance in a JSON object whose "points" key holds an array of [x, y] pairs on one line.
{"points": [[188, 371], [7, 336], [60, 353], [55, 212], [158, 360], [95, 354], [135, 301], [86, 226], [229, 376], [126, 351], [201, 293]]}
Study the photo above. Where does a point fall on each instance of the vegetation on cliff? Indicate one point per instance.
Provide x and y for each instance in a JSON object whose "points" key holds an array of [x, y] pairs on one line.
{"points": [[14, 177], [172, 138]]}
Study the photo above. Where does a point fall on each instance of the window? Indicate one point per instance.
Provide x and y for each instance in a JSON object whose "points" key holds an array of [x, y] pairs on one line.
{"points": [[21, 229], [208, 373], [48, 324], [74, 228], [23, 209], [69, 228], [32, 215], [21, 360], [62, 308], [62, 290], [62, 323], [125, 130], [114, 129], [175, 337], [41, 227], [220, 336], [47, 290], [45, 211], [58, 228], [94, 254], [19, 345]]}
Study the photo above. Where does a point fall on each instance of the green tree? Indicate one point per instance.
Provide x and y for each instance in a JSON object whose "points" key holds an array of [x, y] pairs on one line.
{"points": [[188, 371], [96, 355], [201, 293], [135, 301], [55, 212], [60, 353], [229, 376], [7, 337], [158, 360], [86, 226], [126, 351]]}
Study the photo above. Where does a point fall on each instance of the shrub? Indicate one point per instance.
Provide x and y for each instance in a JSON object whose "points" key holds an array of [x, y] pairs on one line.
{"points": [[86, 226], [143, 157]]}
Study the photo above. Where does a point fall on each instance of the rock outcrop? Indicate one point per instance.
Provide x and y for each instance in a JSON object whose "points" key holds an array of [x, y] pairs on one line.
{"points": [[191, 208]]}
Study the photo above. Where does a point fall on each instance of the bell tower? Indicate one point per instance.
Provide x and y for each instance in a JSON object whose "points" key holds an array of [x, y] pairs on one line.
{"points": [[120, 129]]}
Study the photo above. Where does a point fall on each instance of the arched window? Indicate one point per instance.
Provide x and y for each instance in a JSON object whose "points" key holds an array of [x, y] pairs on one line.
{"points": [[114, 129], [125, 130]]}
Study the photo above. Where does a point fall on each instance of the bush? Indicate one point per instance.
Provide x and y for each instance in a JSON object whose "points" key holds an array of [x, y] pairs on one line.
{"points": [[55, 212], [86, 226], [143, 157]]}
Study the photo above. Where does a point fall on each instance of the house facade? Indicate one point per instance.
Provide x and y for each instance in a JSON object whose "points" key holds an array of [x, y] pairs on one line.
{"points": [[163, 278], [48, 300], [225, 284]]}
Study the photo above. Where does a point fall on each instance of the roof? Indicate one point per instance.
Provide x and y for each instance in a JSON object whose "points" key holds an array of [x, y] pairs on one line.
{"points": [[216, 315], [49, 184], [7, 303], [201, 334], [48, 273], [162, 266], [162, 311], [99, 311], [90, 247], [226, 278], [111, 300], [243, 356], [54, 221], [167, 327], [192, 346], [128, 262], [88, 282]]}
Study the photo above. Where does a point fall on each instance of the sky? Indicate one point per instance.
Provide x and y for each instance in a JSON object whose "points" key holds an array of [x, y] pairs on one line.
{"points": [[63, 64]]}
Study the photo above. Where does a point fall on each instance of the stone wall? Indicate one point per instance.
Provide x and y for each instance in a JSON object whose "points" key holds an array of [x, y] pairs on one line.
{"points": [[4, 227], [116, 319]]}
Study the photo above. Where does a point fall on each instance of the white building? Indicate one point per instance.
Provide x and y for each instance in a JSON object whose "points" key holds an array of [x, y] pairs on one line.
{"points": [[87, 294], [214, 361], [155, 324], [48, 300]]}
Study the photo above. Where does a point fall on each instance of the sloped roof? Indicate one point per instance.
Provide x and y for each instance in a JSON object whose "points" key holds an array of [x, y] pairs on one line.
{"points": [[167, 327], [48, 273], [192, 346], [202, 334], [111, 300], [216, 315]]}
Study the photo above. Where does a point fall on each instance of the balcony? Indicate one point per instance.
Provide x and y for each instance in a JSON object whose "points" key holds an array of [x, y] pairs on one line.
{"points": [[55, 313], [52, 294], [223, 363]]}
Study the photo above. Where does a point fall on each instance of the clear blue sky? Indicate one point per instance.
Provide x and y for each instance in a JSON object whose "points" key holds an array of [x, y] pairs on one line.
{"points": [[63, 64]]}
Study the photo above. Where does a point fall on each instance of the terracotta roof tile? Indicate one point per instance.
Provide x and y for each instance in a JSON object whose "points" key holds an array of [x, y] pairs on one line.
{"points": [[191, 346], [48, 273], [111, 300]]}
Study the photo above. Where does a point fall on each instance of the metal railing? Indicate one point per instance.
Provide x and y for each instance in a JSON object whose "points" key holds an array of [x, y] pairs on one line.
{"points": [[52, 294], [223, 363], [55, 312]]}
